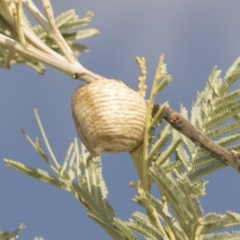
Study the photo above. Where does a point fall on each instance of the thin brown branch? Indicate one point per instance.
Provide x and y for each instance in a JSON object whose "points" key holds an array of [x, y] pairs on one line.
{"points": [[231, 158]]}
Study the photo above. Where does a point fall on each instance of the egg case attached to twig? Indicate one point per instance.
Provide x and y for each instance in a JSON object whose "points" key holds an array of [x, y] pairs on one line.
{"points": [[109, 116]]}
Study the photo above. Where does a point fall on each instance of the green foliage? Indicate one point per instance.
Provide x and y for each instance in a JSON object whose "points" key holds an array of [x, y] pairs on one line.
{"points": [[80, 174], [68, 24], [4, 235], [175, 168], [166, 158], [141, 224], [215, 113]]}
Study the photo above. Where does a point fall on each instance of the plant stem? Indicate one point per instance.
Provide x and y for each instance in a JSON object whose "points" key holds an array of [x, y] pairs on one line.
{"points": [[75, 70], [55, 33], [46, 140], [187, 129]]}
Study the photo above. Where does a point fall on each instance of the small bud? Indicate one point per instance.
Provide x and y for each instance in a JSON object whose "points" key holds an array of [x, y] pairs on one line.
{"points": [[145, 87], [144, 72], [137, 59]]}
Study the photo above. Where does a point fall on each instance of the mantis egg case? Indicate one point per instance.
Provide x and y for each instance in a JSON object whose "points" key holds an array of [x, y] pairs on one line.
{"points": [[109, 116]]}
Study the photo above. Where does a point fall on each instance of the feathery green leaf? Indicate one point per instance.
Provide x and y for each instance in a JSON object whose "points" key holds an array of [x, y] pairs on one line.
{"points": [[206, 169], [39, 174], [224, 129], [141, 224], [214, 222], [80, 34], [222, 236], [176, 198], [222, 116], [231, 76], [163, 212]]}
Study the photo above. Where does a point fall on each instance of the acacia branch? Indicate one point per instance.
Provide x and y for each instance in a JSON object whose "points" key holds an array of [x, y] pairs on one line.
{"points": [[75, 69], [231, 158], [34, 48]]}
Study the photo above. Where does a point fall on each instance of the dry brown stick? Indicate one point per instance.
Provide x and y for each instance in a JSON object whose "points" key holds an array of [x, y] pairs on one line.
{"points": [[231, 158]]}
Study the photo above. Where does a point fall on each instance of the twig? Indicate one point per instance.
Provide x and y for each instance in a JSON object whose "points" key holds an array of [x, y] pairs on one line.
{"points": [[18, 20], [55, 33], [148, 126], [30, 36], [85, 163], [75, 70], [46, 140], [76, 151], [151, 211], [66, 159], [5, 7], [34, 11], [36, 49], [187, 129], [39, 151], [169, 230]]}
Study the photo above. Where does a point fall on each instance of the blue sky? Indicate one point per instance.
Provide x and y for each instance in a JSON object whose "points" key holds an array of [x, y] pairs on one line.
{"points": [[193, 35]]}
